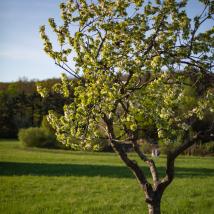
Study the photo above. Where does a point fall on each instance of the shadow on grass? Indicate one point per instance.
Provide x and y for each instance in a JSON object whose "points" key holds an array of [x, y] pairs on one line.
{"points": [[38, 169]]}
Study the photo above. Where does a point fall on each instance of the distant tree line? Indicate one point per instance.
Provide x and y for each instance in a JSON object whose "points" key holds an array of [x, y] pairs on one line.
{"points": [[22, 107]]}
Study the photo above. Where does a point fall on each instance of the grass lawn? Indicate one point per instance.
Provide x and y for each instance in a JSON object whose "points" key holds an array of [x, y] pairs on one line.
{"points": [[49, 181]]}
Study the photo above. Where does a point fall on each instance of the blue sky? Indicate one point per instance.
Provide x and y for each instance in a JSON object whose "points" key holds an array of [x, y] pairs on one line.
{"points": [[21, 53]]}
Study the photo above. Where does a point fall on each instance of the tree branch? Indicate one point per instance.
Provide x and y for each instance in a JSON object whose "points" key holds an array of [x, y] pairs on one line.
{"points": [[72, 73], [171, 156], [150, 164], [101, 44], [131, 164]]}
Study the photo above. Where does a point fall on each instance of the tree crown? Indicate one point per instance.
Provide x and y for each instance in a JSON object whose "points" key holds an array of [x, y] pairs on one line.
{"points": [[137, 63]]}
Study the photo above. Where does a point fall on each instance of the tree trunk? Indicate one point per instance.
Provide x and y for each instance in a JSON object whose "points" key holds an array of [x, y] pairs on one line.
{"points": [[154, 208]]}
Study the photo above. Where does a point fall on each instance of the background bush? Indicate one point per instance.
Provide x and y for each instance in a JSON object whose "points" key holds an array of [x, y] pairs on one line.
{"points": [[146, 147], [201, 149], [197, 149], [37, 137]]}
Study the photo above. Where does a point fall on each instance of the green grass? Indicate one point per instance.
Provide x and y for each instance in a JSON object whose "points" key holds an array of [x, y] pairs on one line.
{"points": [[49, 181]]}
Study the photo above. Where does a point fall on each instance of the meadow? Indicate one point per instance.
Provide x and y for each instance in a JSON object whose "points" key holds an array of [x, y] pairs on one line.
{"points": [[39, 181]]}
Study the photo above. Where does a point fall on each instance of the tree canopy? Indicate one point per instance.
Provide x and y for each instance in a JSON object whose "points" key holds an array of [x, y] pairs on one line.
{"points": [[133, 61]]}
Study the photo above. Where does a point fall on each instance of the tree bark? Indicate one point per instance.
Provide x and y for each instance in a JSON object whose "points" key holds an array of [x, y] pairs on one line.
{"points": [[154, 208]]}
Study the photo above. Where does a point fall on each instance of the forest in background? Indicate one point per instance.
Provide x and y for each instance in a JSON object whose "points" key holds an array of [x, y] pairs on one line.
{"points": [[22, 107]]}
